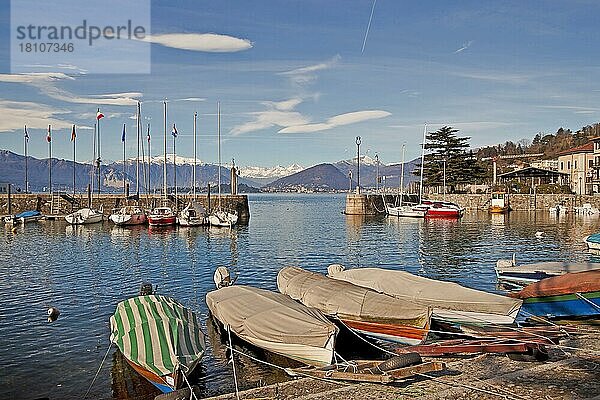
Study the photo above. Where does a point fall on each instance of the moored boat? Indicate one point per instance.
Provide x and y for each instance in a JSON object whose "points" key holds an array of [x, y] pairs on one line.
{"points": [[570, 295], [160, 339], [222, 218], [275, 322], [593, 241], [414, 211], [129, 215], [451, 302], [442, 209], [499, 203], [162, 216], [361, 309], [85, 216], [24, 217], [192, 215], [508, 272]]}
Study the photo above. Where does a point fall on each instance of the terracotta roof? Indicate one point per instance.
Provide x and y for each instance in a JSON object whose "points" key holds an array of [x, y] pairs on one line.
{"points": [[586, 148]]}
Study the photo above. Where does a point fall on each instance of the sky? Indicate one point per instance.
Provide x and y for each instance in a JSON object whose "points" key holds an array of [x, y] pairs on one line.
{"points": [[297, 81]]}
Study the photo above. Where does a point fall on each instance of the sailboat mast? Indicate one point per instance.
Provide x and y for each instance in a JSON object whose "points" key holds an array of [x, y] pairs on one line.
{"points": [[422, 163], [26, 139], [402, 175], [219, 147], [149, 160], [194, 172], [165, 152], [92, 174], [137, 160]]}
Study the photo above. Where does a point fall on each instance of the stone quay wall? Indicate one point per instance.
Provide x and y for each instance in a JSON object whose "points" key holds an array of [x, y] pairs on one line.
{"points": [[373, 204], [44, 203]]}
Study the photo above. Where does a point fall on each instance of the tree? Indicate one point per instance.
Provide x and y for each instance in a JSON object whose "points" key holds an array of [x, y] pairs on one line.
{"points": [[447, 148]]}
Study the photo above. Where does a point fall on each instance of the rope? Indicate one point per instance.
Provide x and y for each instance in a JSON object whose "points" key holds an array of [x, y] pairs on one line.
{"points": [[97, 372], [192, 394], [237, 391]]}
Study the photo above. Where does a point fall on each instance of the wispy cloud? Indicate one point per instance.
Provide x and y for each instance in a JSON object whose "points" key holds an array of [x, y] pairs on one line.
{"points": [[575, 109], [493, 76], [277, 114], [16, 114], [465, 46], [338, 120], [305, 75], [205, 42]]}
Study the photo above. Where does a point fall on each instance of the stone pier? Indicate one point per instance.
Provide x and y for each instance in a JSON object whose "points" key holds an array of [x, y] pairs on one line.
{"points": [[58, 205]]}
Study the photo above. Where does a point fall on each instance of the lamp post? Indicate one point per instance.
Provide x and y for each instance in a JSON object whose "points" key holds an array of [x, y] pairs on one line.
{"points": [[349, 181], [377, 173], [358, 142]]}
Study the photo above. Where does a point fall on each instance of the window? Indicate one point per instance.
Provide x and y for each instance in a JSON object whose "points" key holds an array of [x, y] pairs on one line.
{"points": [[590, 163], [562, 165], [575, 164], [568, 164]]}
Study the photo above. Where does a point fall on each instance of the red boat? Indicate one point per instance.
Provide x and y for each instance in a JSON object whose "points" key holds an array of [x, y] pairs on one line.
{"points": [[442, 209], [162, 216]]}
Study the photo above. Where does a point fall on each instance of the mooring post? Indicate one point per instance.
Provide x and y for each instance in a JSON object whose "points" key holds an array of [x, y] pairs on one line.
{"points": [[9, 200]]}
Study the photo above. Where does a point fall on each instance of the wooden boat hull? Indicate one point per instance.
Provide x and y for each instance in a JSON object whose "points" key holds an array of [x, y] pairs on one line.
{"points": [[567, 305], [402, 334], [158, 381]]}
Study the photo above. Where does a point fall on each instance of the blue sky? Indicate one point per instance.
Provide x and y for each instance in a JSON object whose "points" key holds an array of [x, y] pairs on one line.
{"points": [[295, 87]]}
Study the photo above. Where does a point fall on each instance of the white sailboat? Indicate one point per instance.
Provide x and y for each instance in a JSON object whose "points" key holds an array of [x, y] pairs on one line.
{"points": [[220, 217], [89, 215], [132, 214], [193, 214], [404, 210]]}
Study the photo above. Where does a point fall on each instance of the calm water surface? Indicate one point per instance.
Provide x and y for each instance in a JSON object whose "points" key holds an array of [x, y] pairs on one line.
{"points": [[85, 271]]}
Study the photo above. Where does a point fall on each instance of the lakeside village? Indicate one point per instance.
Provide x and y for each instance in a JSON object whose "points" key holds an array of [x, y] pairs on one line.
{"points": [[421, 319]]}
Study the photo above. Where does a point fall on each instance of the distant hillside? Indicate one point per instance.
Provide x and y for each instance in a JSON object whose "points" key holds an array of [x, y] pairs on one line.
{"points": [[322, 177], [391, 172]]}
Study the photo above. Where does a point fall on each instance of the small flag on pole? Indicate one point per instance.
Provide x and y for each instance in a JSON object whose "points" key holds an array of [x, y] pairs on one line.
{"points": [[174, 131], [26, 134], [148, 133], [99, 115], [123, 135], [73, 135], [49, 136]]}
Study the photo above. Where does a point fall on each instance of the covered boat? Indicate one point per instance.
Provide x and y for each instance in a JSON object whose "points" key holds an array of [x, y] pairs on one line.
{"points": [[160, 339], [364, 310], [450, 301], [24, 217], [508, 272], [570, 295], [275, 322]]}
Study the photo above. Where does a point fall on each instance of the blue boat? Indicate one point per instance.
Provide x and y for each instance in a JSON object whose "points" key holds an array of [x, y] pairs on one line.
{"points": [[573, 295], [24, 217]]}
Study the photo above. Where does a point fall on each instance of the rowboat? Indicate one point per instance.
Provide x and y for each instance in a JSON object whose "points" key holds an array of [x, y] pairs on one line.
{"points": [[451, 302], [363, 310], [85, 216], [23, 217], [162, 216], [569, 295], [160, 339], [129, 215], [275, 322], [508, 272]]}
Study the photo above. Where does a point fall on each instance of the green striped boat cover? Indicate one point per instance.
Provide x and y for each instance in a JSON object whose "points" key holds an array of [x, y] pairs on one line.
{"points": [[157, 333]]}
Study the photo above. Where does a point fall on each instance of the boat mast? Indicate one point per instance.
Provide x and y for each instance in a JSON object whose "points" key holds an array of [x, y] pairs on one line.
{"points": [[194, 172], [26, 139], [219, 147], [92, 172], [165, 152], [99, 160], [137, 160], [422, 162], [149, 160], [402, 175]]}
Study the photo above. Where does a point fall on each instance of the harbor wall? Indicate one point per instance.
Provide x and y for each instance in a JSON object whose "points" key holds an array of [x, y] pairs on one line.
{"points": [[373, 204], [56, 205]]}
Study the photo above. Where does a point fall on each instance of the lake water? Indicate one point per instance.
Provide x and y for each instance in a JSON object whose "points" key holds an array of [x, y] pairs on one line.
{"points": [[85, 271]]}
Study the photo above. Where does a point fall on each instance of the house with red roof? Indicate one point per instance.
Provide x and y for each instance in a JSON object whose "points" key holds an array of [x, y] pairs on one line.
{"points": [[578, 164]]}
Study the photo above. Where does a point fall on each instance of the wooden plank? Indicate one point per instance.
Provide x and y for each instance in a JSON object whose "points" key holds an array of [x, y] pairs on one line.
{"points": [[406, 372], [348, 376]]}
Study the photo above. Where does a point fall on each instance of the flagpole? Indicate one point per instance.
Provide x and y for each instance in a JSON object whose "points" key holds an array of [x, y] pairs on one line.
{"points": [[92, 172], [219, 147], [26, 139], [99, 161], [137, 160], [149, 159], [50, 159], [175, 165], [165, 154], [73, 139], [123, 140], [194, 174]]}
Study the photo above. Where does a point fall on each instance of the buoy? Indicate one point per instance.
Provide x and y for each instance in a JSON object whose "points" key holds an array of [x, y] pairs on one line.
{"points": [[53, 314], [539, 234]]}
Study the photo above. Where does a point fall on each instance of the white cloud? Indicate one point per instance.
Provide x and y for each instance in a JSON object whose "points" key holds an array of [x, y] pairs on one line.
{"points": [[464, 47], [16, 114], [305, 75], [278, 113], [206, 42], [34, 78], [338, 120]]}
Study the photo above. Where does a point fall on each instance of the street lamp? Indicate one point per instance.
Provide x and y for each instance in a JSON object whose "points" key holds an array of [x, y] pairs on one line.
{"points": [[358, 141]]}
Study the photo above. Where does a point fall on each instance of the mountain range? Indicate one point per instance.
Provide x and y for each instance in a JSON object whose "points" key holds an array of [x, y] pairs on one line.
{"points": [[322, 177]]}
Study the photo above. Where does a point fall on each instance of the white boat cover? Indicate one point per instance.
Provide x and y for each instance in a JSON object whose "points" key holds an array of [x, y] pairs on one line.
{"points": [[429, 292], [273, 321], [348, 301], [551, 267]]}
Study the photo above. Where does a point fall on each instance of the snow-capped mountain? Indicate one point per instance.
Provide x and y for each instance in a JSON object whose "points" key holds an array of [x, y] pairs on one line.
{"points": [[265, 175]]}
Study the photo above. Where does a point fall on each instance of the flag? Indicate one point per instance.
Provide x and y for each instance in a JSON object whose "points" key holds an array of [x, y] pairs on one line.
{"points": [[174, 131], [26, 134], [123, 135], [49, 137], [99, 115], [148, 133], [73, 135]]}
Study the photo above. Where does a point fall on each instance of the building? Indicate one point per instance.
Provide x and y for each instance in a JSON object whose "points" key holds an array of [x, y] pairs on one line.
{"points": [[533, 176], [578, 164], [596, 165], [552, 165]]}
